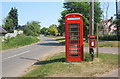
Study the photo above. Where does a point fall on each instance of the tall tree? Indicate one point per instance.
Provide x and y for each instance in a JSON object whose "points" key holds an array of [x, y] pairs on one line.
{"points": [[13, 14], [11, 21], [82, 8]]}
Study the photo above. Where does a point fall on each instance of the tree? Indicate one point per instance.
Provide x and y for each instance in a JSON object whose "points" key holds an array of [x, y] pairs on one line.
{"points": [[61, 27], [82, 8], [8, 26], [13, 14], [44, 30], [53, 29], [32, 28], [11, 21]]}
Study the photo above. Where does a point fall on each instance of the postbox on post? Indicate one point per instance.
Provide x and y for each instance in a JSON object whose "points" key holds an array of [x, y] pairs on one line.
{"points": [[92, 41], [74, 37]]}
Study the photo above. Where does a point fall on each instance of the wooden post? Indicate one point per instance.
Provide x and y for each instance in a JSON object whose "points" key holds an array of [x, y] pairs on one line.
{"points": [[97, 40]]}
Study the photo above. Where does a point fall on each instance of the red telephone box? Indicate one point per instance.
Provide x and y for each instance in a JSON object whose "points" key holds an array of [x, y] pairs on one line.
{"points": [[92, 41], [74, 37]]}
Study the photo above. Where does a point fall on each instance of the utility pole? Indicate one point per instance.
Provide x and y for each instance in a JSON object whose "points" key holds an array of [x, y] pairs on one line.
{"points": [[117, 19], [116, 10], [91, 50], [92, 17]]}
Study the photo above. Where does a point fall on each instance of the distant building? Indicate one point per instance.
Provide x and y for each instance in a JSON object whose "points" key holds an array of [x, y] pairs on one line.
{"points": [[2, 33], [109, 26]]}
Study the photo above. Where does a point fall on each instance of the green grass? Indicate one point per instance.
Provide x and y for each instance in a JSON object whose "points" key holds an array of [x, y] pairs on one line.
{"points": [[101, 43], [18, 41], [109, 44], [106, 44], [57, 67]]}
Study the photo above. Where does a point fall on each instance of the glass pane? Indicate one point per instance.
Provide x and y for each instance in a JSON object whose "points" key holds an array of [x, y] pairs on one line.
{"points": [[74, 42], [74, 37], [73, 29], [73, 25], [74, 54], [74, 46], [74, 50], [74, 33]]}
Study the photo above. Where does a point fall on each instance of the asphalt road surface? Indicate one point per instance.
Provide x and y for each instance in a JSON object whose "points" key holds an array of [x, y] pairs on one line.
{"points": [[15, 61]]}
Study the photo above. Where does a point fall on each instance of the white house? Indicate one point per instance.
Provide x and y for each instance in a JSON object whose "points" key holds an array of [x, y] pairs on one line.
{"points": [[109, 26]]}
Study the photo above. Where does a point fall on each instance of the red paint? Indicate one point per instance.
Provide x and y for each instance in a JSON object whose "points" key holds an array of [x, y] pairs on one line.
{"points": [[74, 36], [92, 41]]}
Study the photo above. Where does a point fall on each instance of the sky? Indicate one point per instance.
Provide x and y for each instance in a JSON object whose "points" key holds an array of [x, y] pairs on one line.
{"points": [[111, 10], [45, 12]]}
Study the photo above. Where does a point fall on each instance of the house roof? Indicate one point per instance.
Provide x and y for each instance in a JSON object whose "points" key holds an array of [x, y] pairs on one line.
{"points": [[2, 31], [106, 21]]}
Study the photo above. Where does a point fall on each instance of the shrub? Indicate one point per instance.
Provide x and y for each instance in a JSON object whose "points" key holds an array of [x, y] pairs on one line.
{"points": [[108, 37]]}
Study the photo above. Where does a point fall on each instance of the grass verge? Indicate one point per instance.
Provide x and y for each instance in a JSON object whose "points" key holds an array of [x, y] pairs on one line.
{"points": [[109, 44], [18, 41], [57, 67], [101, 43]]}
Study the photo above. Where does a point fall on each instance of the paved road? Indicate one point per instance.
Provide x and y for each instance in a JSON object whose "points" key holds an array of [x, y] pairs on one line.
{"points": [[15, 61]]}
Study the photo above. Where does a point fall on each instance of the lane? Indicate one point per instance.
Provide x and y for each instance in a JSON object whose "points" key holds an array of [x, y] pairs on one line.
{"points": [[16, 61], [16, 51], [16, 55]]}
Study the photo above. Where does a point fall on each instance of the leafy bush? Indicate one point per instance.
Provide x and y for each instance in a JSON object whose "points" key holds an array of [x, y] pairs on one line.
{"points": [[32, 28]]}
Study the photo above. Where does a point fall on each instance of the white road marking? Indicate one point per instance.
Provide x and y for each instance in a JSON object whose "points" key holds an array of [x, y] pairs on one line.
{"points": [[16, 55]]}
